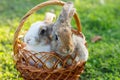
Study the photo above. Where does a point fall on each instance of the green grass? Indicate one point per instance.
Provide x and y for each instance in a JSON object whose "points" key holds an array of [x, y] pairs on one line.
{"points": [[96, 19]]}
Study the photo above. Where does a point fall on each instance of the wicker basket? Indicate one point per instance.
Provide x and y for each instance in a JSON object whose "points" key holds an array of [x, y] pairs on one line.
{"points": [[34, 72]]}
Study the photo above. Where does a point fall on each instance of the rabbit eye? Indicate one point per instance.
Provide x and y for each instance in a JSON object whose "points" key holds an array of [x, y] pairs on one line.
{"points": [[56, 37], [42, 32], [62, 20]]}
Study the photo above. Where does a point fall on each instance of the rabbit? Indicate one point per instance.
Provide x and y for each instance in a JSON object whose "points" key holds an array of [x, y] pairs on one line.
{"points": [[64, 42], [38, 37]]}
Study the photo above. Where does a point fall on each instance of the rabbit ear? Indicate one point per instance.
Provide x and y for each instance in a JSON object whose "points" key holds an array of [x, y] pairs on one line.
{"points": [[49, 17], [72, 12], [68, 6], [69, 9]]}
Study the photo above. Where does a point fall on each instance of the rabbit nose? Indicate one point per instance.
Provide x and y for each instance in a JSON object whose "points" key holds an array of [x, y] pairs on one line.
{"points": [[69, 50]]}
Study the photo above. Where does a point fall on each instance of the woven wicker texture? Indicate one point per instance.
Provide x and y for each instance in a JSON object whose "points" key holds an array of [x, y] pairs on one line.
{"points": [[34, 71]]}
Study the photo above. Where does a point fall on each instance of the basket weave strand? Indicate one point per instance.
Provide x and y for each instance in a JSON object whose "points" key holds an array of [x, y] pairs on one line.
{"points": [[34, 72]]}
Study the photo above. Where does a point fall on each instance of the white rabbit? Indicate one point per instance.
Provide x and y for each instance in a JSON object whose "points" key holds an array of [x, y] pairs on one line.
{"points": [[38, 37], [36, 42], [65, 42]]}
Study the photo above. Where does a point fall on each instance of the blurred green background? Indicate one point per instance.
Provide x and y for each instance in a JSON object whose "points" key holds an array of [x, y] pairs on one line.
{"points": [[98, 17]]}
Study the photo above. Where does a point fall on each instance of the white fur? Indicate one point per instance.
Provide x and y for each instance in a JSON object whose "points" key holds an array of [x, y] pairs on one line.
{"points": [[33, 32], [39, 48], [49, 17], [29, 39], [81, 48]]}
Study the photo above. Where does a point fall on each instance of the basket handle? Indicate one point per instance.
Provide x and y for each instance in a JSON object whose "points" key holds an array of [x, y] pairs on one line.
{"points": [[34, 9]]}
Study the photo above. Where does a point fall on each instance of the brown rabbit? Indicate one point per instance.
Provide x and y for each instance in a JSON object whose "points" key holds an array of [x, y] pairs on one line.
{"points": [[64, 41]]}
